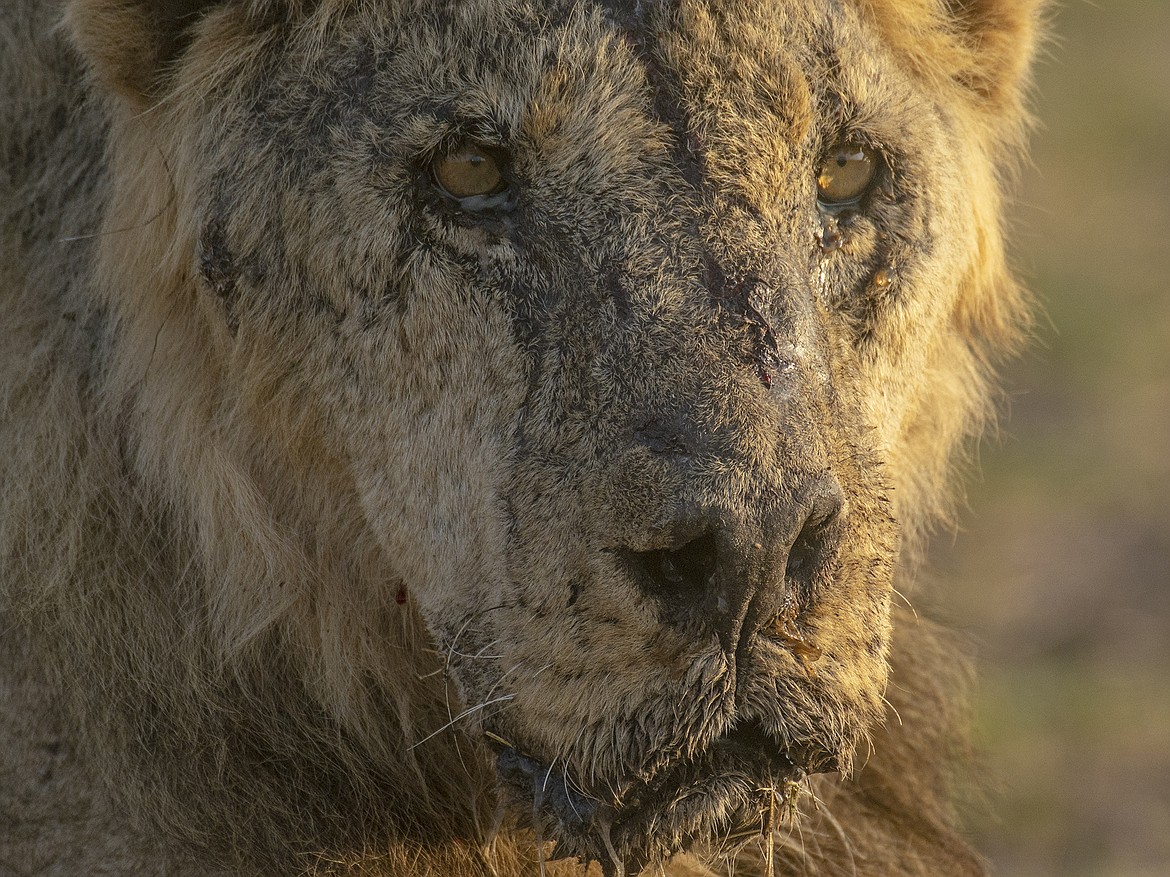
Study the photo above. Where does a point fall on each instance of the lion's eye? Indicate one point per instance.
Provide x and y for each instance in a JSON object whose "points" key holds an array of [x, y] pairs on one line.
{"points": [[468, 171], [846, 174]]}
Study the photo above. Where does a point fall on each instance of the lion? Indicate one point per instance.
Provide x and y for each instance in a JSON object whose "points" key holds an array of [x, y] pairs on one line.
{"points": [[492, 437]]}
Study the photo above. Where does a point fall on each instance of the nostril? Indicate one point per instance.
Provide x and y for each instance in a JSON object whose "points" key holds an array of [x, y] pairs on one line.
{"points": [[798, 559], [684, 571], [809, 544], [805, 546], [803, 553]]}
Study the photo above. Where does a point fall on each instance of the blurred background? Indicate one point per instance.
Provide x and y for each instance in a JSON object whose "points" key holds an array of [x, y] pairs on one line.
{"points": [[1061, 570]]}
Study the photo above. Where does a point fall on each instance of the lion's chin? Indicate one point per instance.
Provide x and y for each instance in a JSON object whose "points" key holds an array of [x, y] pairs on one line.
{"points": [[733, 791]]}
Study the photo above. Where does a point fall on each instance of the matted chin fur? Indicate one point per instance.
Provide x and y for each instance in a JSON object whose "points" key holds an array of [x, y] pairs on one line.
{"points": [[348, 527]]}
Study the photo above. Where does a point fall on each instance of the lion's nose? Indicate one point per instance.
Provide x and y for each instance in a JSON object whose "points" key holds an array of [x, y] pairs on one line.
{"points": [[740, 571]]}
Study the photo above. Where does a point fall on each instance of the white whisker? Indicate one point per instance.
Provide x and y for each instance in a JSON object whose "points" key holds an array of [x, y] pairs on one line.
{"points": [[460, 717]]}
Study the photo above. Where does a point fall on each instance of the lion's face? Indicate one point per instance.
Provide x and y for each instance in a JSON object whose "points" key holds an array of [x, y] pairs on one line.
{"points": [[600, 316]]}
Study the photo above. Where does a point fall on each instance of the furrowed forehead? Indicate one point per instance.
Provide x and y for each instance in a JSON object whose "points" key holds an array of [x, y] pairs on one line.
{"points": [[496, 46], [723, 74], [743, 66]]}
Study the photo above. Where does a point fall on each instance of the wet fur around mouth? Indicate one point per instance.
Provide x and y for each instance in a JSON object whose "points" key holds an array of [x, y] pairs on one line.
{"points": [[734, 790]]}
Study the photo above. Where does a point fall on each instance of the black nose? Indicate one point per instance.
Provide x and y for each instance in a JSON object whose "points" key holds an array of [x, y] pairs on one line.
{"points": [[740, 571]]}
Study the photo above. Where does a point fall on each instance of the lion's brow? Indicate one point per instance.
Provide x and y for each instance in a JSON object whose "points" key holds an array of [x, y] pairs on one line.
{"points": [[633, 19]]}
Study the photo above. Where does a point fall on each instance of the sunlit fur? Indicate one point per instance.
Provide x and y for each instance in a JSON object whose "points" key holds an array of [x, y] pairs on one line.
{"points": [[267, 513]]}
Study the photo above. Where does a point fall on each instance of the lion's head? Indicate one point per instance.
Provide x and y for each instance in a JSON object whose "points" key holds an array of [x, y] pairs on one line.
{"points": [[542, 395]]}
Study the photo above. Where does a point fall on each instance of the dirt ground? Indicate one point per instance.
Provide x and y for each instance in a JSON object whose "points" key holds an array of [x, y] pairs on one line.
{"points": [[1062, 567]]}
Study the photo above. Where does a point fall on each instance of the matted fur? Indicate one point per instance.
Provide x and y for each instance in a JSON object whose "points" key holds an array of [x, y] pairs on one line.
{"points": [[317, 490]]}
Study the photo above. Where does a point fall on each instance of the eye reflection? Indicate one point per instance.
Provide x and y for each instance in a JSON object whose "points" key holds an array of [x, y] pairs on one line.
{"points": [[846, 174], [468, 171]]}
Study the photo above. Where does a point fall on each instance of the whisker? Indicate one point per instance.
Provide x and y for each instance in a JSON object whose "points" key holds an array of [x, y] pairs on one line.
{"points": [[894, 710], [836, 825], [461, 716], [906, 600]]}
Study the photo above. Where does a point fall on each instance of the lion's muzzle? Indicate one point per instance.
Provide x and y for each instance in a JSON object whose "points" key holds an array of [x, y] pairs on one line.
{"points": [[739, 574], [695, 608]]}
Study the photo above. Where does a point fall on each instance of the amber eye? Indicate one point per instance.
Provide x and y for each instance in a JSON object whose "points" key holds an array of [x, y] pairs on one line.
{"points": [[846, 174], [468, 171]]}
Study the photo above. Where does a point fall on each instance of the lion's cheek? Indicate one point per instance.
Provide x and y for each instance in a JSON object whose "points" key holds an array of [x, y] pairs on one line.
{"points": [[428, 428]]}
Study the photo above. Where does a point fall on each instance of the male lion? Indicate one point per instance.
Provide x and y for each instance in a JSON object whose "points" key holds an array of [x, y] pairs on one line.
{"points": [[484, 437]]}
